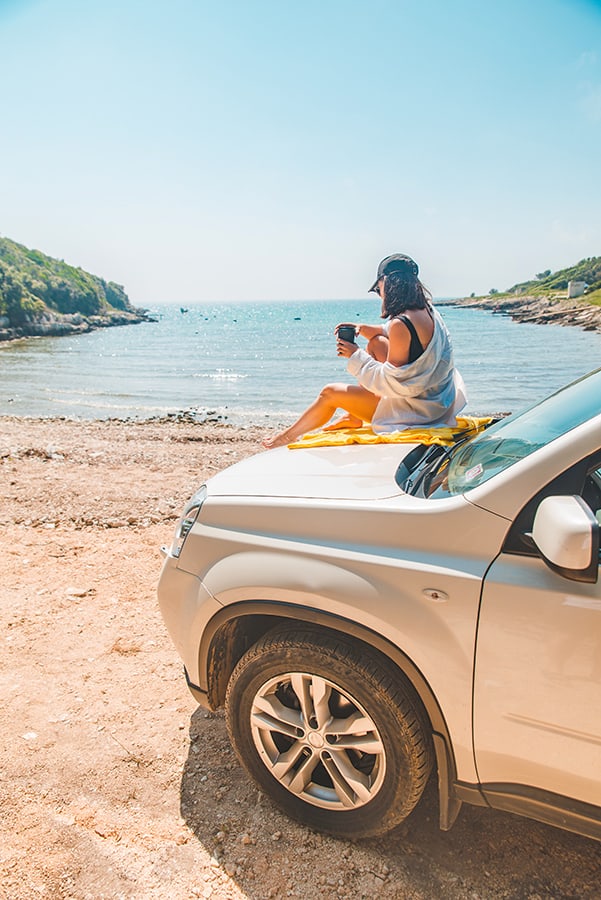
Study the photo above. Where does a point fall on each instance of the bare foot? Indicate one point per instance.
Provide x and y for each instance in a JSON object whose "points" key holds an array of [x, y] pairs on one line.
{"points": [[278, 440], [345, 422], [289, 435]]}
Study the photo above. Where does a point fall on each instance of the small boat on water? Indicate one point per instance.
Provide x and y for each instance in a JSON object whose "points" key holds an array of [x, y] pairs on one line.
{"points": [[183, 309]]}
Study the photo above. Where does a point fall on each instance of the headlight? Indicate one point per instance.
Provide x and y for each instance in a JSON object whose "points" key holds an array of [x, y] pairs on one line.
{"points": [[184, 526]]}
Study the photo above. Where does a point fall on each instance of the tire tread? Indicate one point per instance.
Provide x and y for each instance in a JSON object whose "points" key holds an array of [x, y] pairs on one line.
{"points": [[382, 679]]}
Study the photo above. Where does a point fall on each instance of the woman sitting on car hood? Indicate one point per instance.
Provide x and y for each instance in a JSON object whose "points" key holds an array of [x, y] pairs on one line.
{"points": [[406, 376]]}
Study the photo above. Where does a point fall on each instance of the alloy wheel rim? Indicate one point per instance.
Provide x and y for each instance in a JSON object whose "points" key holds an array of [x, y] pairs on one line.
{"points": [[318, 741]]}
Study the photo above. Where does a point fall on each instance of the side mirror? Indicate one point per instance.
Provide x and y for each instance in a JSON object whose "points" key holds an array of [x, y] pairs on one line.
{"points": [[566, 532]]}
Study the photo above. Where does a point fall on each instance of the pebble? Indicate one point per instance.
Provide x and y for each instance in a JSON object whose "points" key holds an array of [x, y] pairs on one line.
{"points": [[205, 891], [77, 591]]}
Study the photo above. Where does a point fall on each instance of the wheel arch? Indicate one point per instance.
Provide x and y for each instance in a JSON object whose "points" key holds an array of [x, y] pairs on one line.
{"points": [[239, 625]]}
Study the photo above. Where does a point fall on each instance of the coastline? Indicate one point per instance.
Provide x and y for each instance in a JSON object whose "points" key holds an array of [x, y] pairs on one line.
{"points": [[547, 309], [542, 310], [75, 323]]}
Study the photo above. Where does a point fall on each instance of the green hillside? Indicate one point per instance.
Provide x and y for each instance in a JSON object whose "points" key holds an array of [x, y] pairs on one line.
{"points": [[42, 295], [588, 270]]}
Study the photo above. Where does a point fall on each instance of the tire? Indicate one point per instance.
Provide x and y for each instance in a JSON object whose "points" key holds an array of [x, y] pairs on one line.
{"points": [[328, 731]]}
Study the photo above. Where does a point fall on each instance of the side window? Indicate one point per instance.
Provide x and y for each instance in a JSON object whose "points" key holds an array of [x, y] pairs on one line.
{"points": [[583, 479]]}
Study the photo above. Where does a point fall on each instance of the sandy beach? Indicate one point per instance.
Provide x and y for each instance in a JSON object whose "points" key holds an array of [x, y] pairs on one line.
{"points": [[114, 784]]}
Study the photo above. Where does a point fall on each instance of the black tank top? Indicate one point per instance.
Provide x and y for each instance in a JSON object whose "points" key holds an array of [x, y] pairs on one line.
{"points": [[415, 347]]}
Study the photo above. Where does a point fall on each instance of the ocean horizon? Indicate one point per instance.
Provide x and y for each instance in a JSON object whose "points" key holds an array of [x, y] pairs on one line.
{"points": [[263, 362]]}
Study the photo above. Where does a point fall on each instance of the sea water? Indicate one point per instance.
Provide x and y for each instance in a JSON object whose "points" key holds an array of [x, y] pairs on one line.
{"points": [[263, 363]]}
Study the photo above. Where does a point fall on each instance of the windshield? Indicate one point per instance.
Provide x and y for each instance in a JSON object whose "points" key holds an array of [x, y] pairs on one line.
{"points": [[516, 437]]}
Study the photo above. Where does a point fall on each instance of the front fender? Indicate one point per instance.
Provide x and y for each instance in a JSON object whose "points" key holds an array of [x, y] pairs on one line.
{"points": [[285, 578], [397, 598]]}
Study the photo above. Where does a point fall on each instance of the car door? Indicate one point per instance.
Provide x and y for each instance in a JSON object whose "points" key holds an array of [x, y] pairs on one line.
{"points": [[537, 696]]}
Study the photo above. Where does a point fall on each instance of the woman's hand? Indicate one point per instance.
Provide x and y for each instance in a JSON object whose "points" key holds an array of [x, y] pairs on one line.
{"points": [[345, 348]]}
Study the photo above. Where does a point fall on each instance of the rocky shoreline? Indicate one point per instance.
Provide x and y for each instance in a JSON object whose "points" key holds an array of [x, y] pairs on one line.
{"points": [[76, 323], [539, 310], [523, 308]]}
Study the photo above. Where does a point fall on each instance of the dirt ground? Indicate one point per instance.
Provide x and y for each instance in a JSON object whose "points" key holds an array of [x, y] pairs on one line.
{"points": [[113, 783]]}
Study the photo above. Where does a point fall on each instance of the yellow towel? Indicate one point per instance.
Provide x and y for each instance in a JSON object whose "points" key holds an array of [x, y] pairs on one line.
{"points": [[442, 434]]}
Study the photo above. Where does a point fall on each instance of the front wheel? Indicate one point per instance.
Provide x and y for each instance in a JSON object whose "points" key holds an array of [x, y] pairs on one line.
{"points": [[328, 732]]}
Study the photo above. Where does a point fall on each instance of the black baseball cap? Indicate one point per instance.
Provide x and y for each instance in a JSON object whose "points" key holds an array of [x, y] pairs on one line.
{"points": [[397, 262]]}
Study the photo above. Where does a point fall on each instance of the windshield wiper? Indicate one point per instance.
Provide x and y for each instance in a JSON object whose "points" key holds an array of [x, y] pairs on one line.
{"points": [[414, 460], [425, 461], [434, 466]]}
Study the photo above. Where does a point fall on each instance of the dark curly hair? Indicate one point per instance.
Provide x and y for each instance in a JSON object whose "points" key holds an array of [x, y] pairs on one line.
{"points": [[402, 293]]}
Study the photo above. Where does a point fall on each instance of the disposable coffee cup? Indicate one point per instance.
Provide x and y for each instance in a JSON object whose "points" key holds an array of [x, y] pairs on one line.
{"points": [[347, 333]]}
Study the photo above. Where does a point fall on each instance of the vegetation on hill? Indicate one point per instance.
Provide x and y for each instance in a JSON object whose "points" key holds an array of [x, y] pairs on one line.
{"points": [[544, 299], [40, 294], [545, 283]]}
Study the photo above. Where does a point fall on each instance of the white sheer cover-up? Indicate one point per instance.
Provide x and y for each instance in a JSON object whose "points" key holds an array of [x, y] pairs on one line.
{"points": [[428, 391]]}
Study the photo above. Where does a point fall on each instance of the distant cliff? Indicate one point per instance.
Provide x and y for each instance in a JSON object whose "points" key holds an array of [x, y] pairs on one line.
{"points": [[40, 295], [545, 300]]}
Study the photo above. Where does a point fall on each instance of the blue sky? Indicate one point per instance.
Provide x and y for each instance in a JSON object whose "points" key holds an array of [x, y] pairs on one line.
{"points": [[231, 150]]}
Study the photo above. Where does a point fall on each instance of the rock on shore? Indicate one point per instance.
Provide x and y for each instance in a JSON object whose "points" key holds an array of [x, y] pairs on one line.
{"points": [[56, 325], [540, 310]]}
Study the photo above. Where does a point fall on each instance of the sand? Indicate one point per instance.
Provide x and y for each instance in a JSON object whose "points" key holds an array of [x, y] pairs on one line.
{"points": [[114, 784]]}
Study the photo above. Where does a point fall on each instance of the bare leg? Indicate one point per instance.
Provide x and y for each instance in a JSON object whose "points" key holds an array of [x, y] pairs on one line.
{"points": [[357, 401], [378, 348]]}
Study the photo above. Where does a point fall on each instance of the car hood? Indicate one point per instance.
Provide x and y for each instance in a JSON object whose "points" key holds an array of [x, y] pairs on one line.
{"points": [[355, 472]]}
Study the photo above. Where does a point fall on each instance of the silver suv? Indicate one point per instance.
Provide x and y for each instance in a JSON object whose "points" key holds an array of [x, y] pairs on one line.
{"points": [[370, 613]]}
